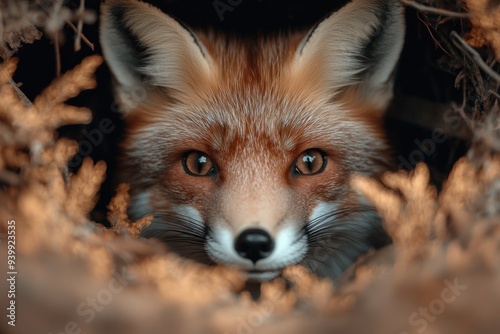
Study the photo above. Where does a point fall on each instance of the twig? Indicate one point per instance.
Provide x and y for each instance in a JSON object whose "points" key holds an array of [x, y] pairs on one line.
{"points": [[475, 56], [434, 10], [460, 110], [462, 114], [20, 94], [84, 39], [432, 35], [78, 37], [58, 54], [5, 75], [494, 93]]}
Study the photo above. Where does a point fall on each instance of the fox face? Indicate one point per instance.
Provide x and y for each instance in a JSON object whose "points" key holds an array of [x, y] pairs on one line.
{"points": [[242, 150]]}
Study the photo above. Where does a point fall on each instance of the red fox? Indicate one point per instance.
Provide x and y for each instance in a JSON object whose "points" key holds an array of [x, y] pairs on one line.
{"points": [[243, 150]]}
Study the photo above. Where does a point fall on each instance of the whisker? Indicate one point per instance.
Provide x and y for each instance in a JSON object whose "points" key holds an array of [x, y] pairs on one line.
{"points": [[183, 234], [343, 234]]}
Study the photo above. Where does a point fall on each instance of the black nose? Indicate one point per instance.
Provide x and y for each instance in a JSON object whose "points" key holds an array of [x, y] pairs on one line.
{"points": [[254, 244]]}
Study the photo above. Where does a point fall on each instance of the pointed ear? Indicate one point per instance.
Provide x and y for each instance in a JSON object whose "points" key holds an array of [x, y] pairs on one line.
{"points": [[144, 47], [357, 48]]}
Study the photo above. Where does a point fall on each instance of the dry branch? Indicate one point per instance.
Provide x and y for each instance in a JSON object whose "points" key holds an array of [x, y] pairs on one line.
{"points": [[434, 10]]}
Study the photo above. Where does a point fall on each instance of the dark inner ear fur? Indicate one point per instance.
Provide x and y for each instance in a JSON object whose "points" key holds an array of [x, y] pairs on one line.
{"points": [[131, 41], [133, 51], [373, 51]]}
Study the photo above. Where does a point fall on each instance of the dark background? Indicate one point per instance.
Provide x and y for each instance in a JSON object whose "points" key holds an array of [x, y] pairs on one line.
{"points": [[426, 71]]}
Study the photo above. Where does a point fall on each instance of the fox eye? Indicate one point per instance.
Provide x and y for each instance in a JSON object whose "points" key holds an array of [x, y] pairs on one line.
{"points": [[310, 162], [197, 163]]}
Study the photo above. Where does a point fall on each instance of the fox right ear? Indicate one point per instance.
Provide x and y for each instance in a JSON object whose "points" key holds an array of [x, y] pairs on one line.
{"points": [[357, 47], [145, 47]]}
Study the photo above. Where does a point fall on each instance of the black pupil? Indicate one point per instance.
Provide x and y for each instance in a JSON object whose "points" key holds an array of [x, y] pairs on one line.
{"points": [[200, 163], [308, 159]]}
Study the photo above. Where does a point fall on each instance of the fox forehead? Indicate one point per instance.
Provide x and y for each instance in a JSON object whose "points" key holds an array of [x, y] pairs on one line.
{"points": [[224, 117], [253, 120]]}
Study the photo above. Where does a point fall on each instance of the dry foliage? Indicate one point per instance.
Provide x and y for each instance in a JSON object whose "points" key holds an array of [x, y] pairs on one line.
{"points": [[20, 21], [65, 262], [486, 21]]}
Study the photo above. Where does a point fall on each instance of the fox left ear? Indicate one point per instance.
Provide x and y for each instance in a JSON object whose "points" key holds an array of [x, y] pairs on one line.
{"points": [[146, 48], [356, 47]]}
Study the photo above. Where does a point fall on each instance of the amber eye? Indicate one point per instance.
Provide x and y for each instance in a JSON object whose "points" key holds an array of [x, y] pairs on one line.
{"points": [[310, 162], [197, 163]]}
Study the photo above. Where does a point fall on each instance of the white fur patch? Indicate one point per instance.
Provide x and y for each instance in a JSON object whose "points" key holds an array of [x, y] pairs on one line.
{"points": [[290, 248], [322, 209], [189, 211], [220, 248]]}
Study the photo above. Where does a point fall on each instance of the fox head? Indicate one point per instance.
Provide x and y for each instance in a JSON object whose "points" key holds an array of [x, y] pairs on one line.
{"points": [[243, 149]]}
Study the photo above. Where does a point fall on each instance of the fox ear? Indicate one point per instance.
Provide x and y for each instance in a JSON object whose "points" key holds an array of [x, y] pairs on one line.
{"points": [[145, 47], [356, 47]]}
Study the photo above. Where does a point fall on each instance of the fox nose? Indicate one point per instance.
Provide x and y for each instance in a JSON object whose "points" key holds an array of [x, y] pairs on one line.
{"points": [[254, 244]]}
